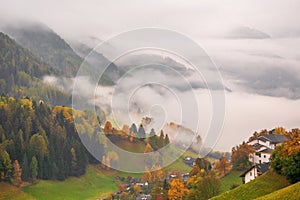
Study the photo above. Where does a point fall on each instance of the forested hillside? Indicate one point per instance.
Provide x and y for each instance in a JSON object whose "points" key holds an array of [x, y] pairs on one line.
{"points": [[50, 48], [46, 45], [21, 73], [41, 141]]}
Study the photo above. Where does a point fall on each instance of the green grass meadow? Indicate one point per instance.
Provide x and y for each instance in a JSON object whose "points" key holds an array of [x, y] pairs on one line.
{"points": [[90, 186], [291, 192], [261, 186], [233, 178]]}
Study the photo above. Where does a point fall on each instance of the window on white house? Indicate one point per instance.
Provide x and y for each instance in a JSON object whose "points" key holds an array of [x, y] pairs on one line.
{"points": [[265, 156], [250, 173]]}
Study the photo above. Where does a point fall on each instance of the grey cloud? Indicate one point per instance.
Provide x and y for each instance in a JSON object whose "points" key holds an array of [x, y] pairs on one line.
{"points": [[266, 67]]}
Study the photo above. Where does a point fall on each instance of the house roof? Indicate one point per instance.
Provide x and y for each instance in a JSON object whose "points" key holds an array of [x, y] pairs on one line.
{"points": [[263, 167], [267, 150], [257, 146], [245, 172], [262, 138], [273, 138]]}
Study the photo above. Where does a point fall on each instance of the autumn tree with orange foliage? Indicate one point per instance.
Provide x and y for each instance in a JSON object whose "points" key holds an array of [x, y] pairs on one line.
{"points": [[136, 189], [256, 134], [108, 128], [126, 129], [223, 165], [177, 189], [277, 130], [280, 130], [240, 156], [201, 165], [154, 176], [17, 173], [155, 179]]}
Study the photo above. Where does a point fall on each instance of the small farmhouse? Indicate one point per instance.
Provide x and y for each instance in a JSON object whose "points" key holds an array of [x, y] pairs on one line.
{"points": [[263, 146], [255, 171]]}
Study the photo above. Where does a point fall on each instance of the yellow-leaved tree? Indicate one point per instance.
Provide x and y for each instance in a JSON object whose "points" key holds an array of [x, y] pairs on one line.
{"points": [[177, 189]]}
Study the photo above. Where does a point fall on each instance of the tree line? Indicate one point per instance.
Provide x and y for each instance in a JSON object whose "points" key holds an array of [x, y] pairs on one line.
{"points": [[40, 142], [135, 134]]}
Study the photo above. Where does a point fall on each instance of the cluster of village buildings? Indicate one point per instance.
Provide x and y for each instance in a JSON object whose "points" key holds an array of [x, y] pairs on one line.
{"points": [[260, 159], [263, 148]]}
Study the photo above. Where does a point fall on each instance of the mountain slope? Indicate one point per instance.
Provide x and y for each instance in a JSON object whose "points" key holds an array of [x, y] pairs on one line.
{"points": [[21, 73], [97, 61], [57, 53], [47, 45]]}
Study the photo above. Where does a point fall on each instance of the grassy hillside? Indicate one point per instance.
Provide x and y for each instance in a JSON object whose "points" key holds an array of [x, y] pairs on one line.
{"points": [[261, 186], [179, 165], [9, 192], [92, 185], [136, 147], [231, 179], [289, 193]]}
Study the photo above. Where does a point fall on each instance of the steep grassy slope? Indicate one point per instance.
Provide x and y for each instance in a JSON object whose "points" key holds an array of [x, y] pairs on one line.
{"points": [[289, 193], [94, 184], [230, 180], [261, 186]]}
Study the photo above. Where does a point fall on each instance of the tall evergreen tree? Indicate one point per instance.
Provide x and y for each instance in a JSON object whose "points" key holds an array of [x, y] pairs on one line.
{"points": [[25, 168], [133, 130], [152, 132], [161, 140], [34, 168], [73, 162], [19, 145], [5, 166], [167, 140], [141, 132]]}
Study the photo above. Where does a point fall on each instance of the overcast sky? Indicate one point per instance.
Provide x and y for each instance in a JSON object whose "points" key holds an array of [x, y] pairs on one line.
{"points": [[263, 74]]}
